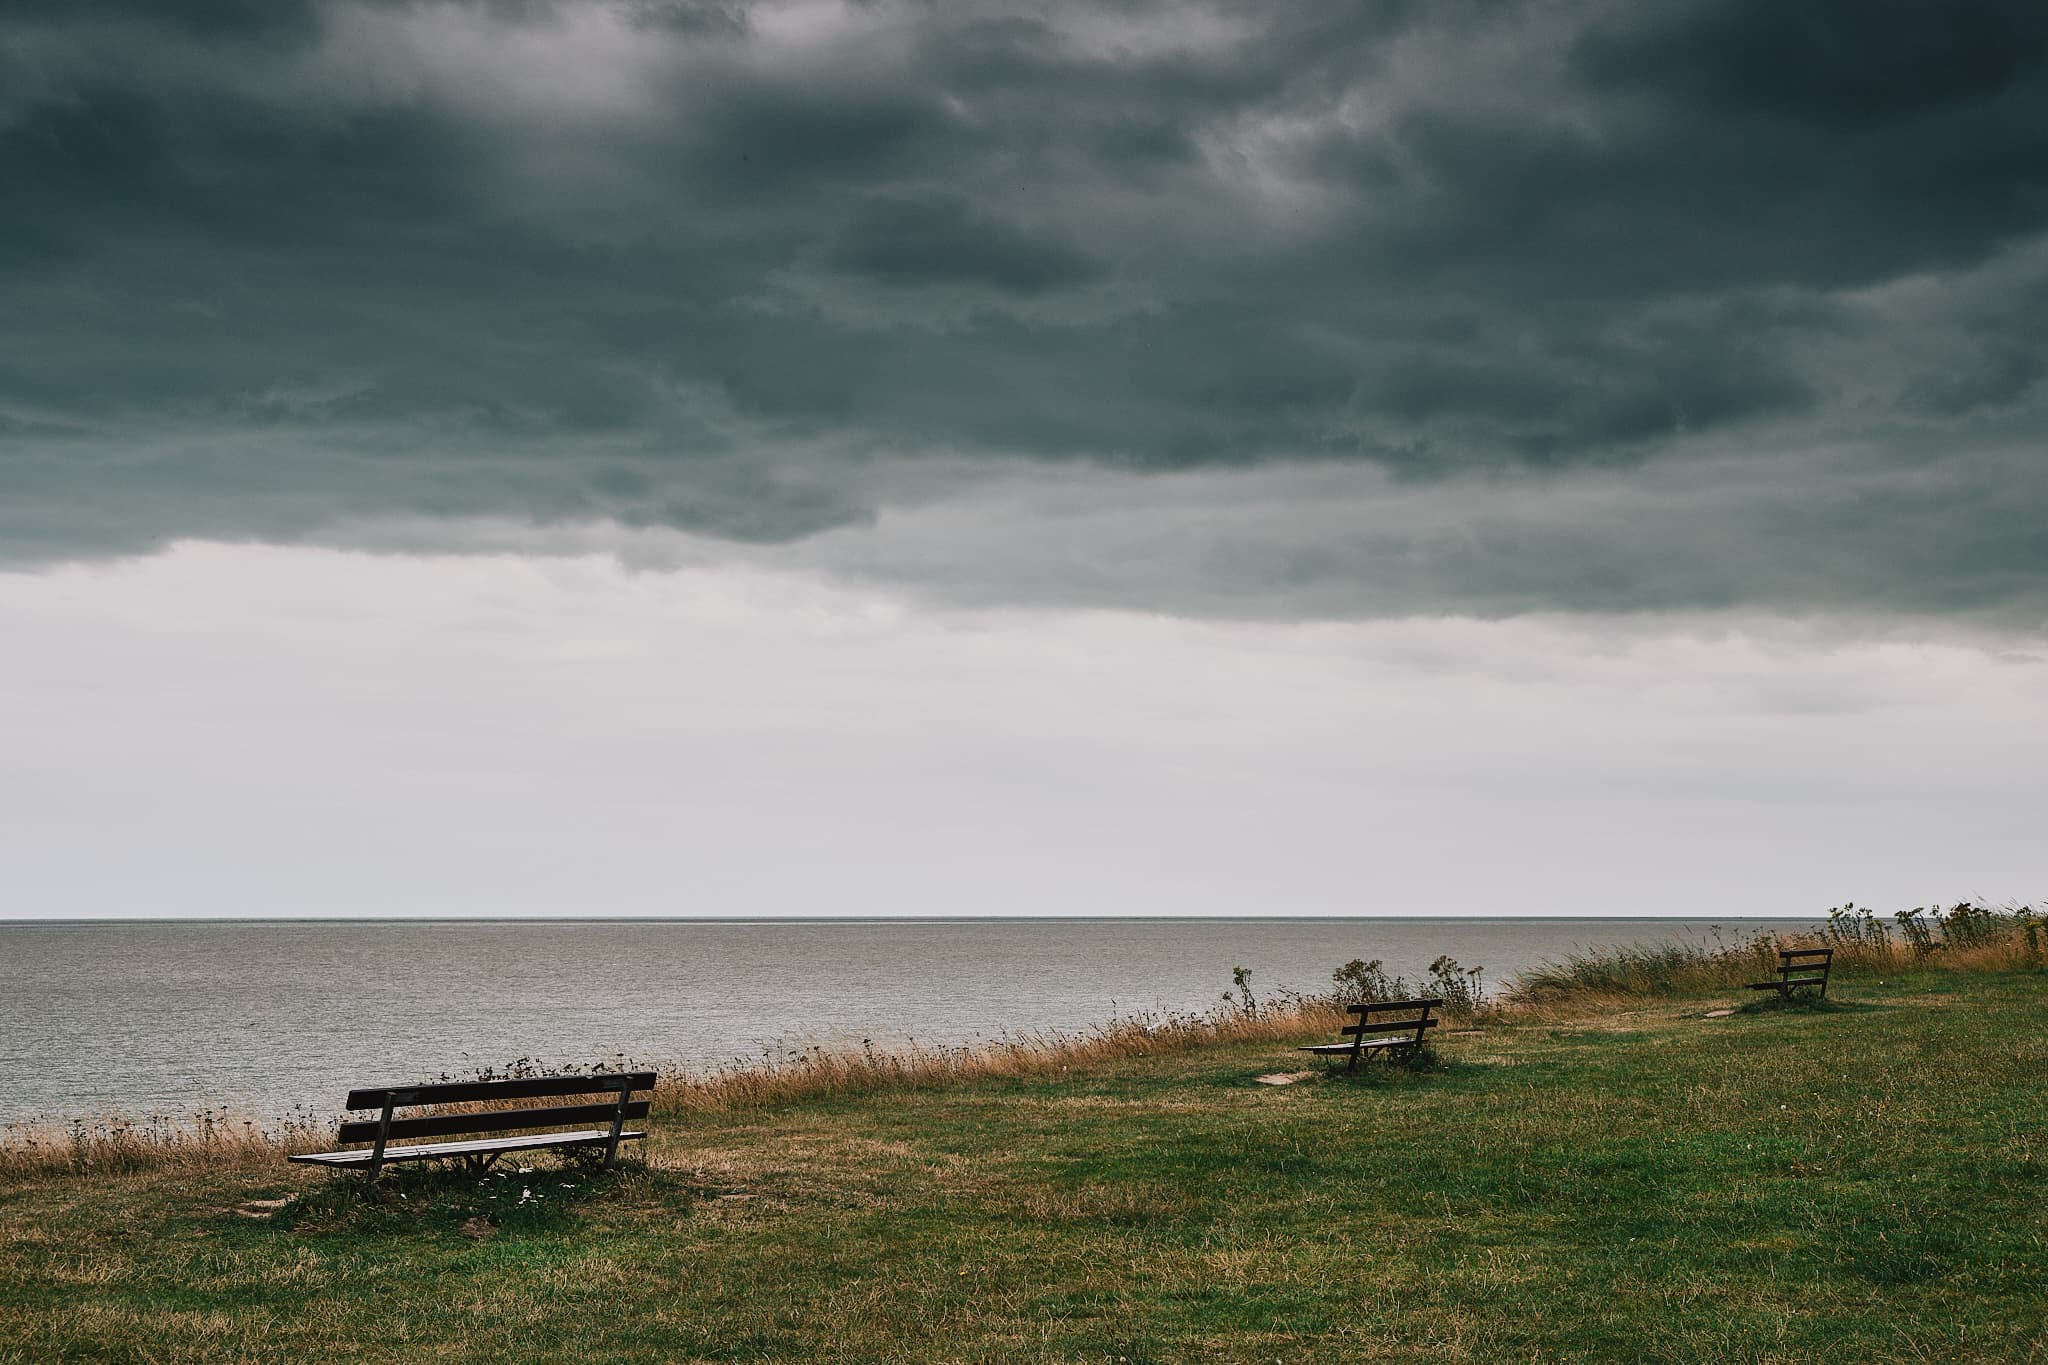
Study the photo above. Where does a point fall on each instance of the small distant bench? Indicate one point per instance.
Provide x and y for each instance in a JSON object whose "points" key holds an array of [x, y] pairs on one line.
{"points": [[1799, 968], [613, 1113], [1394, 1037]]}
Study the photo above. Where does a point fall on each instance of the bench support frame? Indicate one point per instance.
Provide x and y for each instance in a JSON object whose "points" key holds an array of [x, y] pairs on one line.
{"points": [[611, 1148], [383, 1134], [1396, 1038], [452, 1110], [1799, 969]]}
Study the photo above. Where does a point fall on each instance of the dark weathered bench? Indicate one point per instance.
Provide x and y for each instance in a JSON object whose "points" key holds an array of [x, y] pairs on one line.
{"points": [[479, 1153], [1799, 968], [1394, 1037]]}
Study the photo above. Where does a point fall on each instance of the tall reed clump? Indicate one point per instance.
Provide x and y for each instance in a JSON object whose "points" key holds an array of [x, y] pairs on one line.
{"points": [[1966, 936], [1462, 989]]}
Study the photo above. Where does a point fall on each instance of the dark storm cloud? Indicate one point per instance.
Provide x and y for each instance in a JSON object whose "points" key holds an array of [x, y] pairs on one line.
{"points": [[937, 239], [747, 270], [1839, 63]]}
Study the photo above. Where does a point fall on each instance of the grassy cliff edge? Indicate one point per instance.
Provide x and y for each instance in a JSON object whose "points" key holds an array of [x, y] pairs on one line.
{"points": [[1587, 1172]]}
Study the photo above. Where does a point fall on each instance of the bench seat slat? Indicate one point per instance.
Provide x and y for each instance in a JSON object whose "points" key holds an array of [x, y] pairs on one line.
{"points": [[489, 1121], [1339, 1049], [589, 1137], [526, 1088]]}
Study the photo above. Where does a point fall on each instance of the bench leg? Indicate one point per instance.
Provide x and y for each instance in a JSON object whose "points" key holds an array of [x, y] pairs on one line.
{"points": [[611, 1148], [377, 1152]]}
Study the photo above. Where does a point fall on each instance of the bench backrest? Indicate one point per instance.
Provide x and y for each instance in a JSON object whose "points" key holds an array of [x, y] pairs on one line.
{"points": [[1366, 1011], [618, 1085], [1792, 960]]}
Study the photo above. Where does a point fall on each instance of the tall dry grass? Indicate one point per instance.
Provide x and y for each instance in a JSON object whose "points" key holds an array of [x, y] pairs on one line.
{"points": [[808, 1073], [1240, 1017], [213, 1140], [208, 1140], [1966, 936]]}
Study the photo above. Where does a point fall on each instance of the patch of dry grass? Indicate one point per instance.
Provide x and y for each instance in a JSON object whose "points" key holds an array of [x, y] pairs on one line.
{"points": [[812, 1073], [1965, 937], [104, 1146]]}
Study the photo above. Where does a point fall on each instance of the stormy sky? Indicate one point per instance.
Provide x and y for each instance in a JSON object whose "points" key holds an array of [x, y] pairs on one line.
{"points": [[798, 458]]}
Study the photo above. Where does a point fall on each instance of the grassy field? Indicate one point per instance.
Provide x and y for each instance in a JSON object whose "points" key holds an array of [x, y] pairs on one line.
{"points": [[1639, 1181]]}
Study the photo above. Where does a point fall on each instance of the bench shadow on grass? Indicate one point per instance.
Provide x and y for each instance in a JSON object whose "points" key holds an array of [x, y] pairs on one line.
{"points": [[444, 1198], [1422, 1063], [1806, 1003]]}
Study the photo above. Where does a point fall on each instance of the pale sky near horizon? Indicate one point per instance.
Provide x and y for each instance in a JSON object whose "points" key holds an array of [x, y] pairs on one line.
{"points": [[802, 458]]}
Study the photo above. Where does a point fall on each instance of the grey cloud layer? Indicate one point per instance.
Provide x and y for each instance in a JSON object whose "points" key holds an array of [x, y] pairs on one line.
{"points": [[762, 271]]}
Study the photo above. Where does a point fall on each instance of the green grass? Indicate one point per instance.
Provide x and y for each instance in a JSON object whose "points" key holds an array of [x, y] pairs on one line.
{"points": [[1860, 1182]]}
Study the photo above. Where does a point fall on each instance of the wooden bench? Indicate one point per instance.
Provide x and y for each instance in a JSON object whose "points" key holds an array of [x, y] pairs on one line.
{"points": [[1394, 1037], [1797, 968], [479, 1153]]}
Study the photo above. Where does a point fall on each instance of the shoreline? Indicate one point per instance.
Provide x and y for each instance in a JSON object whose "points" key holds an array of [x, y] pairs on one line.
{"points": [[1657, 1176], [187, 1015], [1968, 936]]}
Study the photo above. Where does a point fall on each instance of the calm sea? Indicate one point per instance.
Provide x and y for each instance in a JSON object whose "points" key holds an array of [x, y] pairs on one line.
{"points": [[265, 1017]]}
